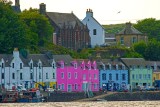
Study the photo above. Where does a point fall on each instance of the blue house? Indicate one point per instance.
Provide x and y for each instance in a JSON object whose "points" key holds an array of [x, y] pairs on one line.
{"points": [[113, 75]]}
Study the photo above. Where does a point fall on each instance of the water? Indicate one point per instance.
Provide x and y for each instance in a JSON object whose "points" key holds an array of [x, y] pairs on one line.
{"points": [[86, 104]]}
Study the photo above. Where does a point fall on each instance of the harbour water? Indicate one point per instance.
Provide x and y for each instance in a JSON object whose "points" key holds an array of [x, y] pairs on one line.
{"points": [[86, 104]]}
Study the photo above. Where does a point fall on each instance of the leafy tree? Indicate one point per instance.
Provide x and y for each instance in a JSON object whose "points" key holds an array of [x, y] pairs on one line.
{"points": [[12, 30], [140, 47], [39, 26], [149, 26]]}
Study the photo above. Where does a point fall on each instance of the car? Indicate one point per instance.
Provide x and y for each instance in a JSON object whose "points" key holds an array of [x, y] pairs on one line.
{"points": [[50, 90], [151, 88]]}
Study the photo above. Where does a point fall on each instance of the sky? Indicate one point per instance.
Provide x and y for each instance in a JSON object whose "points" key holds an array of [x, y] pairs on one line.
{"points": [[104, 11]]}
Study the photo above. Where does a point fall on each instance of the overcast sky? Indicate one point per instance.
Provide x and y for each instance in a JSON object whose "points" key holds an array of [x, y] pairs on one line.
{"points": [[104, 11]]}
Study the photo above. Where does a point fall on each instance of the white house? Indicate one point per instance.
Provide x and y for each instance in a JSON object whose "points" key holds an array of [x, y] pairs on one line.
{"points": [[34, 70], [97, 32]]}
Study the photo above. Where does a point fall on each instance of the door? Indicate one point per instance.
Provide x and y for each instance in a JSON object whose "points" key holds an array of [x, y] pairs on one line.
{"points": [[69, 88]]}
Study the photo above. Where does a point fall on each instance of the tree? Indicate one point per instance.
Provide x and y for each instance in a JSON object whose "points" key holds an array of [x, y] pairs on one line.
{"points": [[140, 47], [39, 25], [12, 30], [149, 26]]}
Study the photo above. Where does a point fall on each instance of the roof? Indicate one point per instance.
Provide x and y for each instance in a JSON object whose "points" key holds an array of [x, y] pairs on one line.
{"points": [[129, 29], [134, 61], [109, 35], [67, 19], [66, 58], [7, 58]]}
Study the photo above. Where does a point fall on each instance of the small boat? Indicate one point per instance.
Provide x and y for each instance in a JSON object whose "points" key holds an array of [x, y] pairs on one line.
{"points": [[9, 96], [32, 95]]}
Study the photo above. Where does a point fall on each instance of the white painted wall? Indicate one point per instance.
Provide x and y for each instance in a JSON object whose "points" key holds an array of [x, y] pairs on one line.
{"points": [[99, 38]]}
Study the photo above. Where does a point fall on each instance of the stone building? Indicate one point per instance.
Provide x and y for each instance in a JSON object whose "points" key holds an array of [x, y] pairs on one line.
{"points": [[70, 32], [129, 35]]}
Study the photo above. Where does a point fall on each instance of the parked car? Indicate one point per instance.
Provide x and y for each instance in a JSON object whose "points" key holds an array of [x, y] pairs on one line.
{"points": [[50, 90], [151, 88]]}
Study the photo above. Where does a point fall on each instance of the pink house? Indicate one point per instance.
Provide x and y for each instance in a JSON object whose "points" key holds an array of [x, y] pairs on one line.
{"points": [[77, 76]]}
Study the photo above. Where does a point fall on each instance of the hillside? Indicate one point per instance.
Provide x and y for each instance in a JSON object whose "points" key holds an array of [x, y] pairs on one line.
{"points": [[113, 28]]}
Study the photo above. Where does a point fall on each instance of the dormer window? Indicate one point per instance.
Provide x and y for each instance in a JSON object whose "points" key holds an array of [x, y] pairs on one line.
{"points": [[2, 65], [31, 66], [62, 65], [12, 65], [39, 65], [75, 65], [109, 66], [20, 65], [53, 65]]}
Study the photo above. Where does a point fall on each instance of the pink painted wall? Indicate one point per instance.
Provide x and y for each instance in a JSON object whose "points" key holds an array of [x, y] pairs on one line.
{"points": [[81, 70]]}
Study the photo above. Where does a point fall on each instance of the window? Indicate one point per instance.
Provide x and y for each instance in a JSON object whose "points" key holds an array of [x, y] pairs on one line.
{"points": [[122, 40], [12, 65], [103, 76], [62, 87], [75, 66], [40, 75], [136, 76], [116, 76], [2, 75], [134, 40], [69, 75], [110, 76], [46, 75], [31, 66], [75, 75], [62, 65], [133, 76], [76, 86], [95, 86], [62, 75], [20, 65], [140, 76], [31, 75], [94, 32], [13, 76], [95, 76], [84, 76], [39, 65], [149, 76], [59, 86], [2, 65], [53, 66], [53, 75], [123, 77], [21, 76]]}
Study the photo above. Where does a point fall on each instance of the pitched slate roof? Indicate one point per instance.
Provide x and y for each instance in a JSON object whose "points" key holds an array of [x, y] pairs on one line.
{"points": [[134, 61], [46, 61], [7, 58], [66, 58], [67, 19], [129, 30]]}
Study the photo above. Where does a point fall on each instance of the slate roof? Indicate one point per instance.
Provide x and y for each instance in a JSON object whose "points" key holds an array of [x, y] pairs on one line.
{"points": [[66, 58], [7, 58], [67, 19], [129, 30], [134, 61]]}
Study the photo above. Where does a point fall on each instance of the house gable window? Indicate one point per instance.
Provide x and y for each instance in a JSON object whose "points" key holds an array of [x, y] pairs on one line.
{"points": [[2, 65], [53, 65], [2, 75], [75, 65], [94, 32], [40, 76], [53, 75], [46, 75], [31, 66], [39, 65], [62, 65], [31, 75]]}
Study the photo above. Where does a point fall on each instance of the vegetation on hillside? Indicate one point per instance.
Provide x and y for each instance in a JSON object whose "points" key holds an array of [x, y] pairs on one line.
{"points": [[113, 28]]}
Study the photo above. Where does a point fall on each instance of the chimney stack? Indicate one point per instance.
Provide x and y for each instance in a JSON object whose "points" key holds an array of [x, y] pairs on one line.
{"points": [[42, 8]]}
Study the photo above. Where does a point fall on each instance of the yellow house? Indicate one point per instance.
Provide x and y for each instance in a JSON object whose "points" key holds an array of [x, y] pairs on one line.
{"points": [[129, 35]]}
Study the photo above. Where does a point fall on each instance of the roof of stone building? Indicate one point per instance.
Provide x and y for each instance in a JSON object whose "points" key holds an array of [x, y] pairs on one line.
{"points": [[134, 61], [66, 58], [129, 29], [67, 19]]}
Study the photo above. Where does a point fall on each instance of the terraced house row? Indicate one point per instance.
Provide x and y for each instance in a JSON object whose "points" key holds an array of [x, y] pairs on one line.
{"points": [[76, 75]]}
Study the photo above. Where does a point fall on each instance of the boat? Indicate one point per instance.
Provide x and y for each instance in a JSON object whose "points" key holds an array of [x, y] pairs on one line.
{"points": [[9, 96], [32, 95]]}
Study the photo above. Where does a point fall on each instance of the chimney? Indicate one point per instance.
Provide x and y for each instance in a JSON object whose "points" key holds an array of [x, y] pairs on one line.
{"points": [[16, 53], [17, 3], [42, 8], [128, 25], [89, 13]]}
